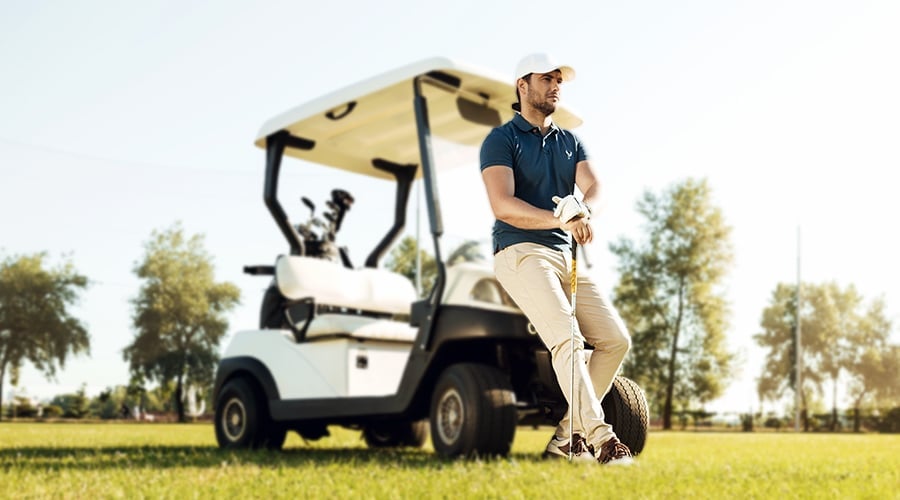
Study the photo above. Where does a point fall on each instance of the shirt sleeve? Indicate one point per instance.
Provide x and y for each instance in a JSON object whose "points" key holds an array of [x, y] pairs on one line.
{"points": [[580, 153], [497, 149]]}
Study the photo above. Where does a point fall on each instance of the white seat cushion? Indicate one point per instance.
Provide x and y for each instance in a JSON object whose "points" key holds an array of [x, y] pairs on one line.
{"points": [[360, 327], [330, 283], [336, 324]]}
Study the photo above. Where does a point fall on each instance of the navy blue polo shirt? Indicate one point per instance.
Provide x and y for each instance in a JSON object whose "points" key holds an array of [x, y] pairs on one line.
{"points": [[543, 167]]}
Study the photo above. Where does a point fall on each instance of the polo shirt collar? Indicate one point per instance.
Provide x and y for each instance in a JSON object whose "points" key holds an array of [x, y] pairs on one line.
{"points": [[522, 124]]}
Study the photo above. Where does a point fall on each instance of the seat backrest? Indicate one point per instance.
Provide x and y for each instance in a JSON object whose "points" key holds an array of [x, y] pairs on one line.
{"points": [[330, 283]]}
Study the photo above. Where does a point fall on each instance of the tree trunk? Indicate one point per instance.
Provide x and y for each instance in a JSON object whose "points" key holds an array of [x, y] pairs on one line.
{"points": [[857, 420], [670, 382], [2, 377], [834, 411], [803, 414], [670, 386], [179, 404]]}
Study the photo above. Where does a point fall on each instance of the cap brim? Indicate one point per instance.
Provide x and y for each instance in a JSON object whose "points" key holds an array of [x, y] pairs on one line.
{"points": [[568, 72]]}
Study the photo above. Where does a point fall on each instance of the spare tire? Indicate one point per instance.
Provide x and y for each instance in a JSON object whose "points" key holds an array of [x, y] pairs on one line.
{"points": [[625, 409]]}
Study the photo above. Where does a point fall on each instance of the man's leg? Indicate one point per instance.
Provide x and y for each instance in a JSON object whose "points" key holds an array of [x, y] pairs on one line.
{"points": [[536, 278], [604, 329]]}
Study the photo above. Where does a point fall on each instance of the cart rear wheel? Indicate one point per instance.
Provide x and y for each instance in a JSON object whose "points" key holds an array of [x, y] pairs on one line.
{"points": [[625, 409]]}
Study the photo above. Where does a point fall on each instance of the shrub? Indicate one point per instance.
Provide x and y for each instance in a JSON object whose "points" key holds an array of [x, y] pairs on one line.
{"points": [[52, 411], [773, 423], [890, 422], [22, 408]]}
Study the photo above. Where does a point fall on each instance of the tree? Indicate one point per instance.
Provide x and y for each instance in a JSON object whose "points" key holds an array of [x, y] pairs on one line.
{"points": [[838, 340], [888, 390], [872, 365], [468, 251], [114, 403], [669, 295], [75, 405], [179, 314], [402, 259], [35, 324], [779, 324], [834, 317], [22, 407]]}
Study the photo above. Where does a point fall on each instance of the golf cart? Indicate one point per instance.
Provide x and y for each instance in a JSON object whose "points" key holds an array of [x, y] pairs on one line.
{"points": [[355, 346]]}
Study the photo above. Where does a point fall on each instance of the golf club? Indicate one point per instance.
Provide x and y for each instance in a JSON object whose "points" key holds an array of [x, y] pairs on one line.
{"points": [[573, 284], [582, 367]]}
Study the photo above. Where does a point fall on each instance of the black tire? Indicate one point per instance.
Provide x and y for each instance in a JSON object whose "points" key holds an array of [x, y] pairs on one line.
{"points": [[242, 421], [396, 434], [236, 416], [473, 412], [625, 408]]}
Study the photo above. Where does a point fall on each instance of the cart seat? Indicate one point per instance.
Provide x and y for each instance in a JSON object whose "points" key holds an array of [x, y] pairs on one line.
{"points": [[359, 327], [330, 283]]}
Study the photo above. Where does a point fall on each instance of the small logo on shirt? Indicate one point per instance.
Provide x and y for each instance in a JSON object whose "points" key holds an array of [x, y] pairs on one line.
{"points": [[568, 155]]}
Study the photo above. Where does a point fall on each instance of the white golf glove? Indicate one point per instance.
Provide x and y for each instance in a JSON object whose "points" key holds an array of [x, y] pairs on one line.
{"points": [[569, 208]]}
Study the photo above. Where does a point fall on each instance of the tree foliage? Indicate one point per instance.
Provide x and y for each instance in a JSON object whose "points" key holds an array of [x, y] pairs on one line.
{"points": [[468, 251], [669, 294], [872, 363], [402, 259], [841, 340], [35, 323], [74, 405], [179, 314]]}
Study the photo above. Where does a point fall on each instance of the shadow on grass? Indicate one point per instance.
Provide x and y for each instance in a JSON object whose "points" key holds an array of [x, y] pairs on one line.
{"points": [[45, 458]]}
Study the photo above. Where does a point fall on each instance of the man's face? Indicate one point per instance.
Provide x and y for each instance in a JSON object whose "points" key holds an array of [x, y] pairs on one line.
{"points": [[543, 91]]}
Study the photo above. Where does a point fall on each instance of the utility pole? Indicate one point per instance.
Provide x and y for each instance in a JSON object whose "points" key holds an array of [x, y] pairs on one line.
{"points": [[798, 362]]}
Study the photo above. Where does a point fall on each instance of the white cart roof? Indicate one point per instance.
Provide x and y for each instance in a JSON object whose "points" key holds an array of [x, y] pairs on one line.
{"points": [[376, 119]]}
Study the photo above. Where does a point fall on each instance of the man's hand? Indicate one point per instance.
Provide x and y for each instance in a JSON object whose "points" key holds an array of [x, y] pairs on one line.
{"points": [[580, 229], [569, 208], [574, 218]]}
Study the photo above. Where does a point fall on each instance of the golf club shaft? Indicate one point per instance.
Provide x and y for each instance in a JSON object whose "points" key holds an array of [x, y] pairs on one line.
{"points": [[573, 288]]}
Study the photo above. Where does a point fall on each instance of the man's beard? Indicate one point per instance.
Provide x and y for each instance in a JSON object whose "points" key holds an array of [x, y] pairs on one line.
{"points": [[545, 107]]}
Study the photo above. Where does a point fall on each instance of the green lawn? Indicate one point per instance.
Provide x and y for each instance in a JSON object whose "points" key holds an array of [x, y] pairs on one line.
{"points": [[169, 460]]}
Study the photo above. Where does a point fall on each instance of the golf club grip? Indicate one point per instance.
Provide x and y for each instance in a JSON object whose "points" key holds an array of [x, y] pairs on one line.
{"points": [[573, 277]]}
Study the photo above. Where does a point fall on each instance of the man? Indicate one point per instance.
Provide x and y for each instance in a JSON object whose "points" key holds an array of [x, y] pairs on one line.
{"points": [[525, 164]]}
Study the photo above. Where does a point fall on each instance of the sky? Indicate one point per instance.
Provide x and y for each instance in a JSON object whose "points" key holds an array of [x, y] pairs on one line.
{"points": [[121, 118]]}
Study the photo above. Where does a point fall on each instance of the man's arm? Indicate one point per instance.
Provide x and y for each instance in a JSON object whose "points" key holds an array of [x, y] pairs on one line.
{"points": [[581, 229], [587, 183], [500, 184]]}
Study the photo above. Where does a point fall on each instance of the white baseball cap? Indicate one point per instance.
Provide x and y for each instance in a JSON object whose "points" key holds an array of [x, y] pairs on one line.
{"points": [[543, 63]]}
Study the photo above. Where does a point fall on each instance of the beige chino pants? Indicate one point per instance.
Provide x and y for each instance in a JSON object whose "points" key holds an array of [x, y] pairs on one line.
{"points": [[537, 279]]}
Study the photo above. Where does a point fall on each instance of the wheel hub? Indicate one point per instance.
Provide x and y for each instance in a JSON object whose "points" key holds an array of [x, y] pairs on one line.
{"points": [[234, 419], [450, 416]]}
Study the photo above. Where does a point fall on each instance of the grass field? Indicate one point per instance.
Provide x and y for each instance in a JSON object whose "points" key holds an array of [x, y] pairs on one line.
{"points": [[84, 460]]}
